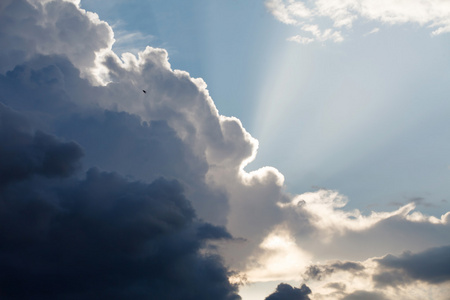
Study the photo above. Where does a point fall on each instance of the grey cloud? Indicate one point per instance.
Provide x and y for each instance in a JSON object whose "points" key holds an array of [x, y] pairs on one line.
{"points": [[432, 266], [364, 295], [287, 292], [392, 278], [337, 286], [316, 272], [208, 231], [24, 154], [348, 266], [48, 87], [319, 272]]}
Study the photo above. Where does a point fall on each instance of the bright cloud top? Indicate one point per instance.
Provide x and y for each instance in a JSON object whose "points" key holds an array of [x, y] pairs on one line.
{"points": [[434, 14]]}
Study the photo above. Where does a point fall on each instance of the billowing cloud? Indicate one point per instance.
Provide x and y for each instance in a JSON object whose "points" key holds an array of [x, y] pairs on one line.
{"points": [[431, 13]]}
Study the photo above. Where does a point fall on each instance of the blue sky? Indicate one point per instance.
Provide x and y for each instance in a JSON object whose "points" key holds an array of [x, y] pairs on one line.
{"points": [[342, 107], [365, 116]]}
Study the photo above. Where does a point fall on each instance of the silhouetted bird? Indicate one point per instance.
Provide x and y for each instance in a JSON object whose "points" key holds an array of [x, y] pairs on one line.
{"points": [[145, 92]]}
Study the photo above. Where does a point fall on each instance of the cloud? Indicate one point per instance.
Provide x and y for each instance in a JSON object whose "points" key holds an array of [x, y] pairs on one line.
{"points": [[51, 27], [364, 295], [49, 88], [100, 236], [317, 272], [373, 31], [23, 154], [288, 12], [431, 266], [300, 39], [316, 225], [279, 258], [174, 130], [431, 13], [408, 276], [325, 211], [286, 292]]}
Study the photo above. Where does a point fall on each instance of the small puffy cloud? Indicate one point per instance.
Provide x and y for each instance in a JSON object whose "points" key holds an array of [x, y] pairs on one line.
{"points": [[288, 12], [287, 292], [343, 13], [318, 272], [300, 39], [319, 35]]}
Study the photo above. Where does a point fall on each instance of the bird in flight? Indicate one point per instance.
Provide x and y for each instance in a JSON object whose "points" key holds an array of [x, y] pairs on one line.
{"points": [[145, 92]]}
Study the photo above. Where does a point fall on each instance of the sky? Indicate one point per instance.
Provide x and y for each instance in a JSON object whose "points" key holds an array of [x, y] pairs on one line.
{"points": [[282, 149]]}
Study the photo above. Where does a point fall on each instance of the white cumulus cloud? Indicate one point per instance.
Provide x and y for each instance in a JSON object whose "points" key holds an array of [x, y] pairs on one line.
{"points": [[434, 14]]}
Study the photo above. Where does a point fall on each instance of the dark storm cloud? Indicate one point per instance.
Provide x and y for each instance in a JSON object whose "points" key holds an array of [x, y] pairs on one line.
{"points": [[99, 237], [287, 292], [23, 154], [432, 266]]}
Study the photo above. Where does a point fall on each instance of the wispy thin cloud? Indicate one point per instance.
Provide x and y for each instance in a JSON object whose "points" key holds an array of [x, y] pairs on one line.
{"points": [[373, 31]]}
